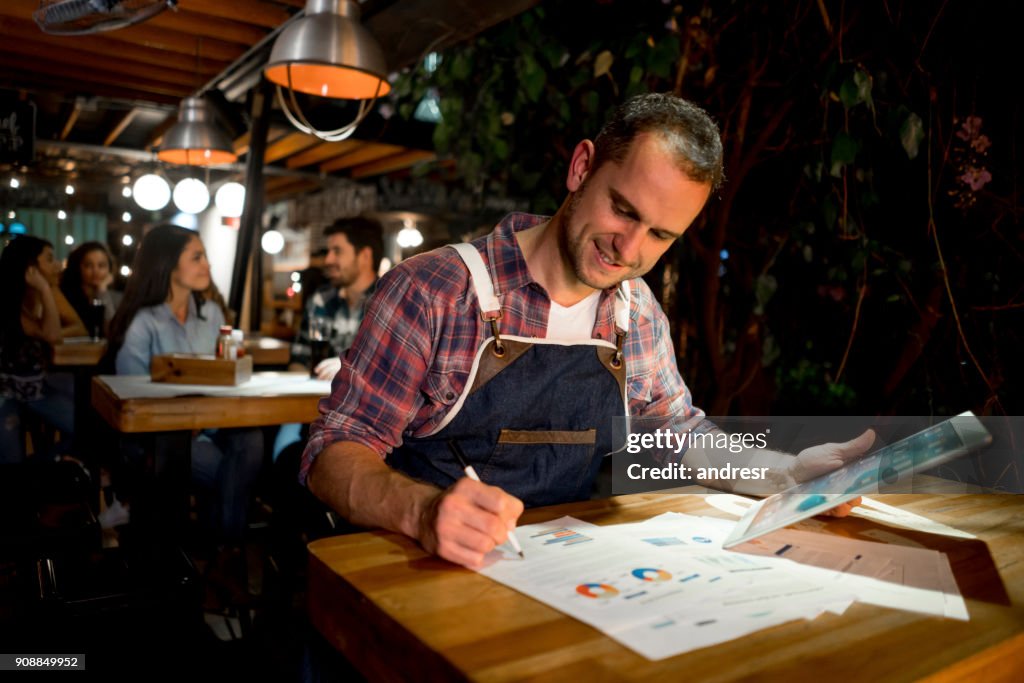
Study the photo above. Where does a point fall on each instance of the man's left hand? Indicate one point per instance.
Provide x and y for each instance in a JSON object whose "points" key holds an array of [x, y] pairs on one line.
{"points": [[818, 460]]}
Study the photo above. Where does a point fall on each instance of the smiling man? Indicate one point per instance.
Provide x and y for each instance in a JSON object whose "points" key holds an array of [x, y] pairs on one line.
{"points": [[354, 250], [520, 348]]}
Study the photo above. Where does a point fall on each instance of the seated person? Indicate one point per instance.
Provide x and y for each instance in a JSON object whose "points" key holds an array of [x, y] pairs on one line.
{"points": [[522, 347], [164, 311], [29, 327], [87, 280]]}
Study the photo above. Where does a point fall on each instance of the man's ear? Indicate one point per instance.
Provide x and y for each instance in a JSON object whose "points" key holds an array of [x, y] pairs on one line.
{"points": [[365, 258], [579, 165]]}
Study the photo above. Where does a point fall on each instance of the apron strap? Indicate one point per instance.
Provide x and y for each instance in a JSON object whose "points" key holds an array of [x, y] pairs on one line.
{"points": [[490, 307]]}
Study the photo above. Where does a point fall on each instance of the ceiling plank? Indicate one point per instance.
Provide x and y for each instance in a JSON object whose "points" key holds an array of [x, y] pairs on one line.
{"points": [[91, 76], [241, 143], [290, 144], [41, 84], [91, 60], [119, 127], [365, 154], [394, 162], [76, 109], [326, 150], [205, 26], [17, 29], [251, 12], [153, 33]]}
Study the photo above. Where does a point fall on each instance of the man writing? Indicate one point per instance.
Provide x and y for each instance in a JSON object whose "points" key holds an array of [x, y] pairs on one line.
{"points": [[522, 347]]}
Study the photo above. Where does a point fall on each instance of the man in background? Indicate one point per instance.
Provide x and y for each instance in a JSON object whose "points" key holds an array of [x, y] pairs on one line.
{"points": [[354, 249]]}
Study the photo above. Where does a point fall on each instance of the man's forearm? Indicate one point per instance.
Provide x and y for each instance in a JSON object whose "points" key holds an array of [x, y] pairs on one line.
{"points": [[358, 484]]}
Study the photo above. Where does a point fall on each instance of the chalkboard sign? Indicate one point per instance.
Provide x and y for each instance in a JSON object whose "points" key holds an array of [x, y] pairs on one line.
{"points": [[17, 131]]}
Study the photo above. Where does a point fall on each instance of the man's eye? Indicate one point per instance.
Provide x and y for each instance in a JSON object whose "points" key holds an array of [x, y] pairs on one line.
{"points": [[664, 236]]}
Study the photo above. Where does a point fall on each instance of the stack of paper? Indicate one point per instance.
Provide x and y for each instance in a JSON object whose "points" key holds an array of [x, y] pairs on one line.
{"points": [[665, 586]]}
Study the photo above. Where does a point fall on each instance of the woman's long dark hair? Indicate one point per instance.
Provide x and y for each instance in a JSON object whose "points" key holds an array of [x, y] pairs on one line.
{"points": [[19, 254], [71, 278], [150, 281]]}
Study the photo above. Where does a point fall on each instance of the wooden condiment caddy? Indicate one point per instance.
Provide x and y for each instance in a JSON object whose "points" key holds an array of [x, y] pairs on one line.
{"points": [[181, 368]]}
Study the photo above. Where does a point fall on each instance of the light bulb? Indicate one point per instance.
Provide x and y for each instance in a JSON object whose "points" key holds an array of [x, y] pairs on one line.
{"points": [[127, 240], [151, 192], [126, 191], [409, 237], [230, 199], [62, 214], [191, 196], [126, 271], [69, 240], [69, 189], [272, 241], [126, 217]]}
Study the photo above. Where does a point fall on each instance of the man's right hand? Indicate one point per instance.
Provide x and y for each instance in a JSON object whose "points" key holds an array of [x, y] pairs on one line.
{"points": [[467, 520]]}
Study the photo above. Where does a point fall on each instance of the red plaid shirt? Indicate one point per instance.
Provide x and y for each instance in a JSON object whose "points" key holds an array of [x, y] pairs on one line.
{"points": [[412, 355]]}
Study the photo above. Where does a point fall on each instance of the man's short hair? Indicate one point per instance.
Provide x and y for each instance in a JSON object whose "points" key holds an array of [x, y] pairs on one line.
{"points": [[689, 131], [361, 232]]}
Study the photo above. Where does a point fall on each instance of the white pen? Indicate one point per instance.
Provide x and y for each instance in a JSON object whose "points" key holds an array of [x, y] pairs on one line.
{"points": [[471, 473]]}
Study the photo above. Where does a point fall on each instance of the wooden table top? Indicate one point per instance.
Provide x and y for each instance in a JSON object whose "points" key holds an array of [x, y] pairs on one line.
{"points": [[79, 352], [134, 403], [399, 614]]}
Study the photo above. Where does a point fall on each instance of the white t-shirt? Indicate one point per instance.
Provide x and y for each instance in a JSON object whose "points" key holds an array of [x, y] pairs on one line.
{"points": [[575, 322]]}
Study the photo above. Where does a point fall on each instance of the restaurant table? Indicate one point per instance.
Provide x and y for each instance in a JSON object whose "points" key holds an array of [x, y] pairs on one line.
{"points": [[81, 356], [398, 613], [79, 352], [134, 404]]}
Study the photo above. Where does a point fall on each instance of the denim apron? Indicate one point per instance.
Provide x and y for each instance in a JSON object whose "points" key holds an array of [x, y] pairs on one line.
{"points": [[535, 417]]}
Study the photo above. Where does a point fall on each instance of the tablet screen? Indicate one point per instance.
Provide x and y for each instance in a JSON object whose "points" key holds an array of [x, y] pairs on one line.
{"points": [[885, 467]]}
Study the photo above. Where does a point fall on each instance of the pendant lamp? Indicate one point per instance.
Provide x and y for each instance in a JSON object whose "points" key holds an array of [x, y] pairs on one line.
{"points": [[196, 139], [327, 53]]}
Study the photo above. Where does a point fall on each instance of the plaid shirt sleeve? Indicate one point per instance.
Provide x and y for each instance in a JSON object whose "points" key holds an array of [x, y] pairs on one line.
{"points": [[377, 390]]}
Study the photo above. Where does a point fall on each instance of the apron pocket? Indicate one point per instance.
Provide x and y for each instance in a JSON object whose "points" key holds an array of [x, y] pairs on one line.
{"points": [[543, 467]]}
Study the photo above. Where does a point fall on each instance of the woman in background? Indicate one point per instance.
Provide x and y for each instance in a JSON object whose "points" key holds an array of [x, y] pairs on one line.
{"points": [[87, 278], [164, 311], [29, 327]]}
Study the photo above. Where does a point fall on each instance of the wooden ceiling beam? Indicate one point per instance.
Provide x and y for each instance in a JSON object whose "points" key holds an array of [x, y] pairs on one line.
{"points": [[205, 26], [119, 127], [45, 84], [91, 79], [76, 109], [156, 135], [149, 33], [255, 12], [91, 60], [290, 144], [20, 30], [395, 162], [365, 154], [325, 150]]}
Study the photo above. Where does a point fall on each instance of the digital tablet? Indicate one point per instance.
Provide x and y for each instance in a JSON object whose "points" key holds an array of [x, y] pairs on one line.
{"points": [[887, 466]]}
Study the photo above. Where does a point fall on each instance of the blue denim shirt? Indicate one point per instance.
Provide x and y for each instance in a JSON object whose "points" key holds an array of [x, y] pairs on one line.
{"points": [[155, 331]]}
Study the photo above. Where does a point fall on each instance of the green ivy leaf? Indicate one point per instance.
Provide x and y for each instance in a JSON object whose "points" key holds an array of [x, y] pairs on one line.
{"points": [[533, 77], [461, 67], [911, 134], [856, 89], [844, 151]]}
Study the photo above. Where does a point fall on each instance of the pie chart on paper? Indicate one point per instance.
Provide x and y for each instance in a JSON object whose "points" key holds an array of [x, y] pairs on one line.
{"points": [[651, 574], [597, 590]]}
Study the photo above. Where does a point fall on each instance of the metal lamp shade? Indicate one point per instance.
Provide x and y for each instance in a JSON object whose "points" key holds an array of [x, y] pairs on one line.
{"points": [[328, 53], [195, 139]]}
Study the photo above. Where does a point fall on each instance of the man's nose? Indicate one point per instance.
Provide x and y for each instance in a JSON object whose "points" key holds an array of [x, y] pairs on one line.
{"points": [[627, 244]]}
